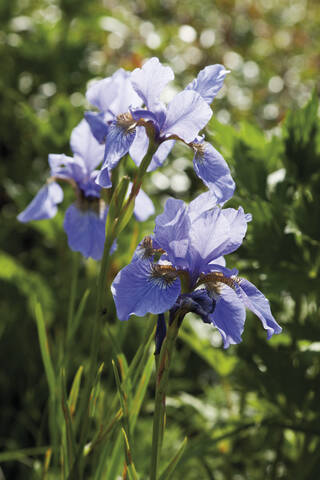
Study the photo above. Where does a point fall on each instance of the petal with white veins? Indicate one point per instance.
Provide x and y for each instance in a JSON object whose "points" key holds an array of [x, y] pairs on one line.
{"points": [[187, 114], [208, 82], [44, 204], [229, 316], [213, 170], [255, 301], [137, 292], [150, 80]]}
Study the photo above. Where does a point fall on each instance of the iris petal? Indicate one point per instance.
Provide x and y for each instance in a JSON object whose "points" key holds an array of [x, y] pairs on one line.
{"points": [[136, 292], [187, 114], [213, 170], [44, 204], [85, 231], [229, 316], [85, 145], [150, 80], [259, 305], [208, 82]]}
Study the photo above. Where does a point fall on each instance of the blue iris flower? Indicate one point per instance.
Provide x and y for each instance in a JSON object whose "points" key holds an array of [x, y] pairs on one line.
{"points": [[85, 219], [183, 267], [122, 124]]}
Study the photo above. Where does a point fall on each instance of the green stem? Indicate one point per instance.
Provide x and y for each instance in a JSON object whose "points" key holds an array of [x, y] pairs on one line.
{"points": [[163, 368], [73, 292], [111, 235]]}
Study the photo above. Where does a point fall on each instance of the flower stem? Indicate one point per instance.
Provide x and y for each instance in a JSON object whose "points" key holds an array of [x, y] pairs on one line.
{"points": [[111, 235], [163, 362]]}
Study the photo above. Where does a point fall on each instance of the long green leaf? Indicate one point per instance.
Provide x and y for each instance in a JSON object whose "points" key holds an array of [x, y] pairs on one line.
{"points": [[140, 392], [16, 455], [45, 353], [74, 391], [169, 470]]}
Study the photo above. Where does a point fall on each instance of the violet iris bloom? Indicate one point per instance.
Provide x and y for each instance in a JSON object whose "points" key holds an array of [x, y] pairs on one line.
{"points": [[182, 267], [85, 219], [182, 119]]}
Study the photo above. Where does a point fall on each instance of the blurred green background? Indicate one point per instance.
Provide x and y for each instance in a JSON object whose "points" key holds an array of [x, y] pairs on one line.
{"points": [[251, 412]]}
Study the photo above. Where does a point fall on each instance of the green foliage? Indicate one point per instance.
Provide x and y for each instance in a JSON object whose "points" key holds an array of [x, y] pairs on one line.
{"points": [[250, 412]]}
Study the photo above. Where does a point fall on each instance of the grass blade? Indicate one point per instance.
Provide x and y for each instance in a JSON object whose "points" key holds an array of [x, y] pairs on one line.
{"points": [[169, 471]]}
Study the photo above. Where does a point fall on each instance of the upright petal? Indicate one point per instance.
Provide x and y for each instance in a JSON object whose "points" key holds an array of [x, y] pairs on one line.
{"points": [[126, 96], [209, 235], [229, 316], [113, 94], [44, 204], [84, 144], [172, 231], [237, 220], [101, 93], [213, 170], [208, 82], [187, 114], [98, 125], [259, 305], [62, 166], [143, 206], [150, 80], [202, 203], [85, 231], [136, 291]]}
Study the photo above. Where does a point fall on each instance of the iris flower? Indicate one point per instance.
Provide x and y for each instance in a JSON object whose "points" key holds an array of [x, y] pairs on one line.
{"points": [[85, 219], [123, 124], [183, 267]]}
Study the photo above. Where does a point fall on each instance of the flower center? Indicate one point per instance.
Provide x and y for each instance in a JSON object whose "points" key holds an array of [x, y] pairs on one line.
{"points": [[213, 281], [164, 275], [125, 121]]}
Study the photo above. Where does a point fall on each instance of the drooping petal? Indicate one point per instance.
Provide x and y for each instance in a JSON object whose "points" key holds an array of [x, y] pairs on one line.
{"points": [[143, 207], [139, 146], [99, 127], [137, 292], [237, 220], [259, 305], [208, 82], [229, 316], [118, 142], [150, 80], [139, 149], [103, 178], [172, 231], [44, 204], [90, 188], [213, 170], [161, 154], [187, 114], [85, 145], [85, 231]]}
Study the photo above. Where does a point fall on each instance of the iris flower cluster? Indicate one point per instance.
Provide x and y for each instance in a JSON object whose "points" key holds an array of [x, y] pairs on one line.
{"points": [[130, 106], [84, 221], [181, 268]]}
